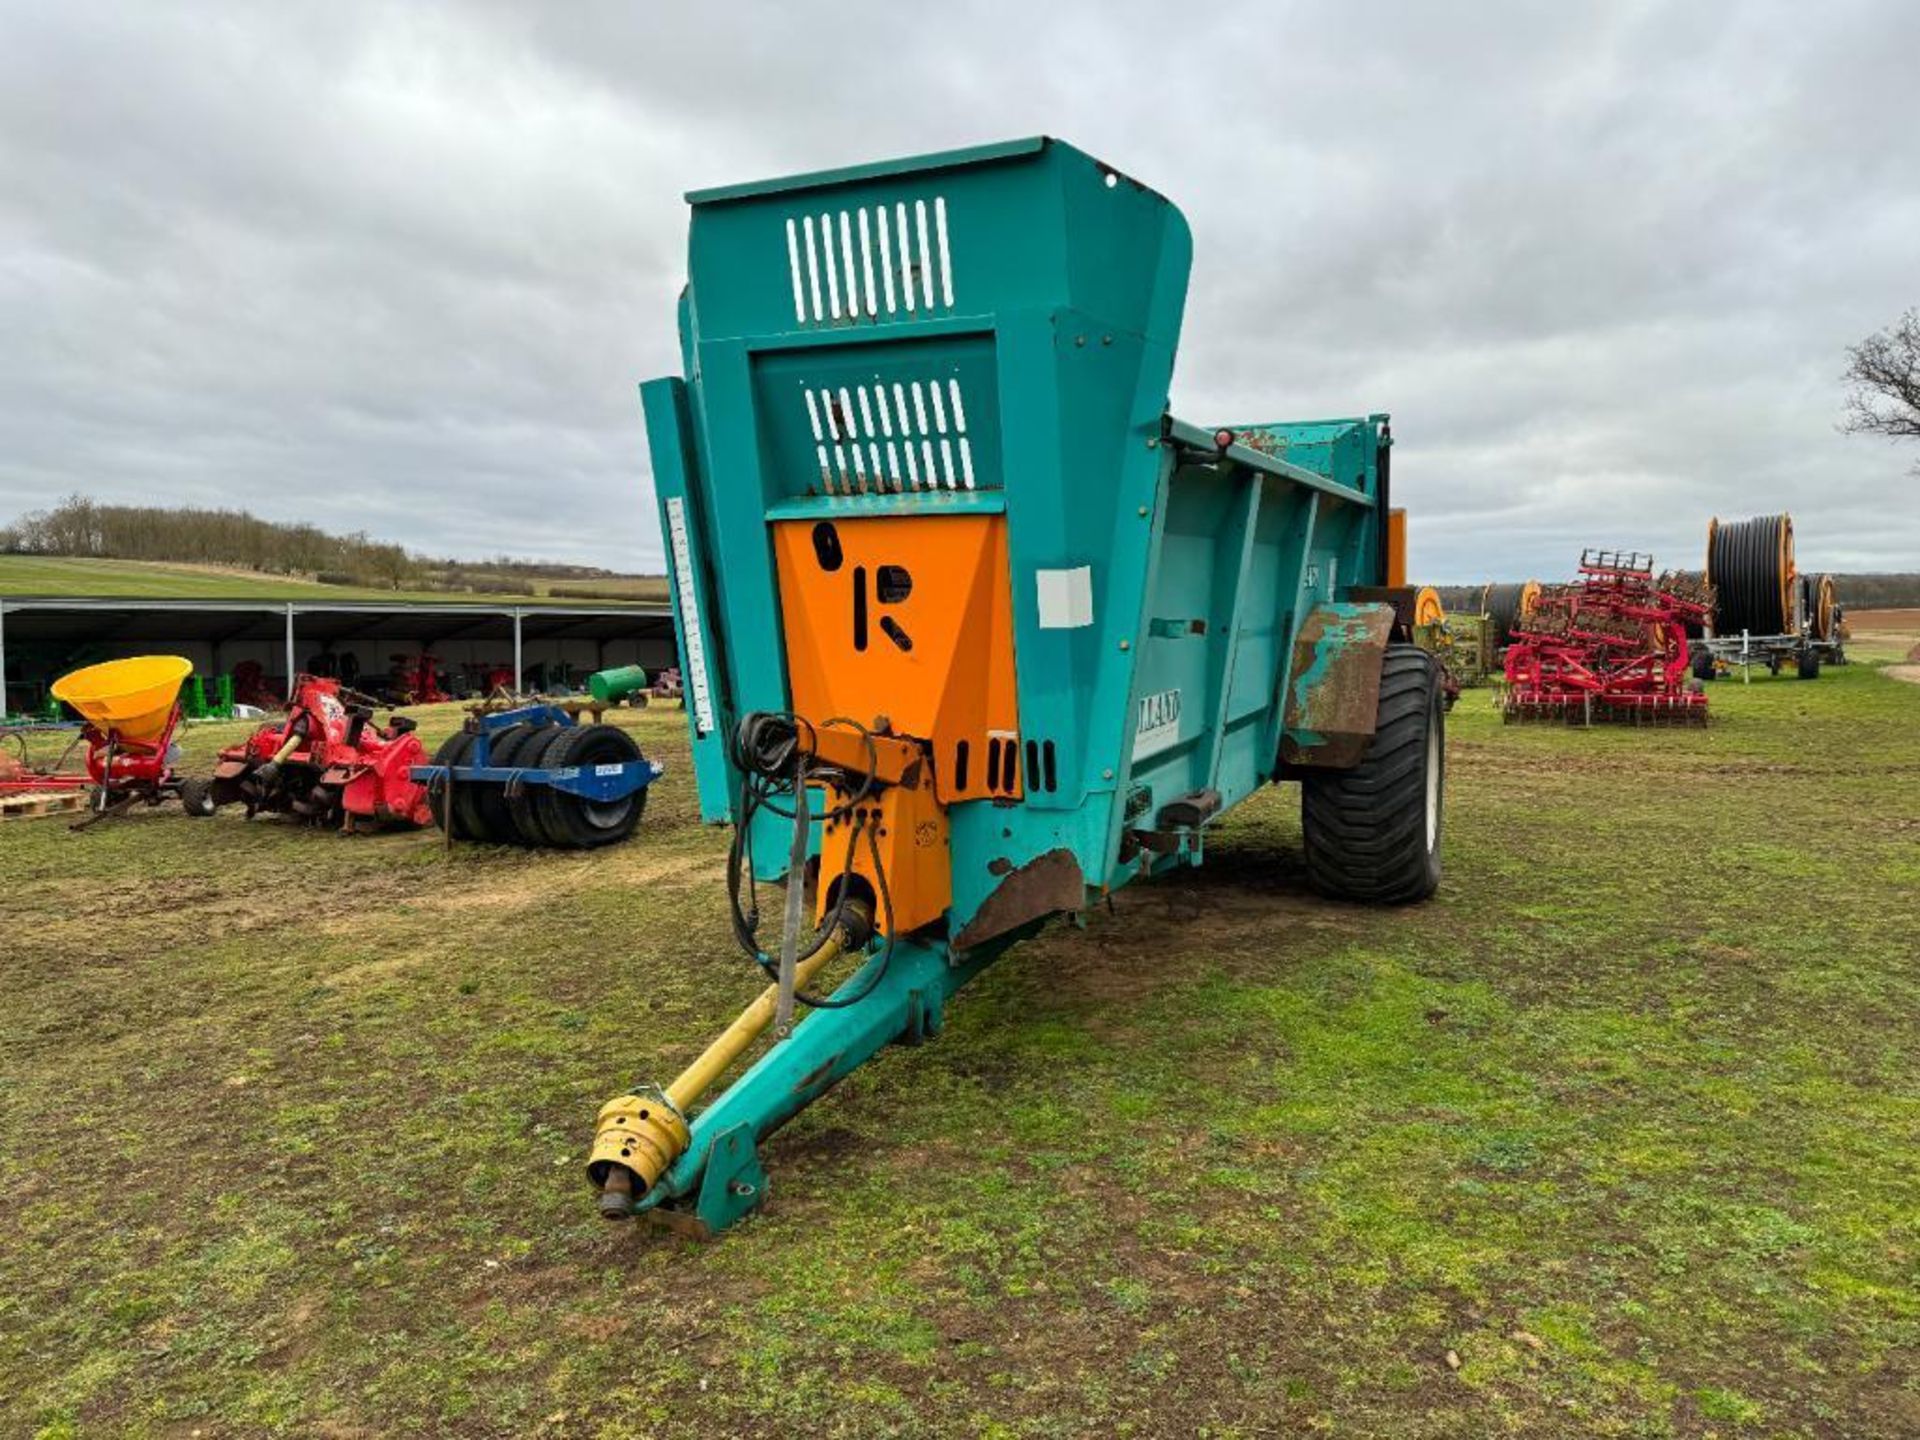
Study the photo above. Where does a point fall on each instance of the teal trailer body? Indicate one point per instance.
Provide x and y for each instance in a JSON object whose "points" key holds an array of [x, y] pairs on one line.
{"points": [[991, 333]]}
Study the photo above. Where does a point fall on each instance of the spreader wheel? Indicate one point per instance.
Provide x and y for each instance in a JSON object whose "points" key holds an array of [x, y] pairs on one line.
{"points": [[196, 797], [1373, 832], [575, 823]]}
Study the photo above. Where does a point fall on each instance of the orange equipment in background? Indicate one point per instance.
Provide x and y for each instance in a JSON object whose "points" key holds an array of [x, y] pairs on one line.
{"points": [[1396, 548]]}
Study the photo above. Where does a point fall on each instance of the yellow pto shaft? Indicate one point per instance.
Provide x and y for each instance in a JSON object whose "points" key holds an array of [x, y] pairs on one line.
{"points": [[641, 1134]]}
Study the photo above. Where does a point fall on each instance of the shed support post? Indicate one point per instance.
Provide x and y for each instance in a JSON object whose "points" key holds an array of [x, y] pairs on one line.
{"points": [[290, 667], [3, 659], [518, 683]]}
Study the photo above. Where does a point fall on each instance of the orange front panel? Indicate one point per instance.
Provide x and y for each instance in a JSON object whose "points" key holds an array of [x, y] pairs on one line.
{"points": [[905, 621]]}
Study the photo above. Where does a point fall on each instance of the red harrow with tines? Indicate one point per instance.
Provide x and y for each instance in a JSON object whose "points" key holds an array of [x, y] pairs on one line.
{"points": [[324, 760], [1611, 646]]}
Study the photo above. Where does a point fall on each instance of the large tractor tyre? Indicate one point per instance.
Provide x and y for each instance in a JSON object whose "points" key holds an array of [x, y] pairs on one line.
{"points": [[490, 801], [1809, 665], [577, 824], [1373, 832], [456, 750]]}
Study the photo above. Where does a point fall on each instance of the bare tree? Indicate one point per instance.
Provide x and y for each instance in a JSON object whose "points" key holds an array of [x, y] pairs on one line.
{"points": [[80, 526], [1884, 371]]}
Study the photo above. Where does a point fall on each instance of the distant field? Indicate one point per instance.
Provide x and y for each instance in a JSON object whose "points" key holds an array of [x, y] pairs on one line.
{"points": [[625, 587], [55, 575], [1883, 634]]}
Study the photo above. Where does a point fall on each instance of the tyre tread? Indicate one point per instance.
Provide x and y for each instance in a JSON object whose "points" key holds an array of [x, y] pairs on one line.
{"points": [[1365, 828]]}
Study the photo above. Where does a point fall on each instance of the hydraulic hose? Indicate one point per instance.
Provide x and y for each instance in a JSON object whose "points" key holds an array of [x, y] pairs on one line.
{"points": [[1750, 566], [1506, 605], [768, 748]]}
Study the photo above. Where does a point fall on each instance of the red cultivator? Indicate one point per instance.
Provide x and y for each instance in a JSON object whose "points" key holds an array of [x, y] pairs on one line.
{"points": [[1611, 646], [324, 760]]}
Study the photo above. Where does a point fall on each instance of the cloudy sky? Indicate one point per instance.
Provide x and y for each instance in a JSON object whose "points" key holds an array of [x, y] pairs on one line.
{"points": [[398, 268]]}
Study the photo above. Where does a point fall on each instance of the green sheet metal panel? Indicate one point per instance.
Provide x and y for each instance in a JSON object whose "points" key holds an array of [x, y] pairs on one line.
{"points": [[1157, 582]]}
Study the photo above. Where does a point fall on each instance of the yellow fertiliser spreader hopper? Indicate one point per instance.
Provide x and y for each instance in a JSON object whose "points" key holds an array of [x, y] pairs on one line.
{"points": [[131, 710], [130, 698]]}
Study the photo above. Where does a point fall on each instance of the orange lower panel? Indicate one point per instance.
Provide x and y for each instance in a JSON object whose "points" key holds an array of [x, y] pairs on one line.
{"points": [[905, 623], [908, 825]]}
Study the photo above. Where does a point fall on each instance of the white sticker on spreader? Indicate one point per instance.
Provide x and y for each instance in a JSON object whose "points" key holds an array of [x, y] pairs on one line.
{"points": [[1159, 724], [606, 769], [1066, 598]]}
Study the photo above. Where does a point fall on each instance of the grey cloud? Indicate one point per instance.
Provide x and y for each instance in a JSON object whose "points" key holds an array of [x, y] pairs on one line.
{"points": [[399, 267]]}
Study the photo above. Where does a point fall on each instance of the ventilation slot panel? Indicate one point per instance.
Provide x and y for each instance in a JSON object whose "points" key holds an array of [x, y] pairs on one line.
{"points": [[871, 262], [1003, 763], [890, 438]]}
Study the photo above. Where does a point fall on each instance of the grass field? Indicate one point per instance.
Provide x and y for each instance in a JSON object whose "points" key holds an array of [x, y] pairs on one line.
{"points": [[1618, 1136], [63, 576], [625, 587]]}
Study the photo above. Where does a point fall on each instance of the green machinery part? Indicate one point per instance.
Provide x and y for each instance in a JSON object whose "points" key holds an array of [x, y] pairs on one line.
{"points": [[207, 698], [920, 461], [607, 686]]}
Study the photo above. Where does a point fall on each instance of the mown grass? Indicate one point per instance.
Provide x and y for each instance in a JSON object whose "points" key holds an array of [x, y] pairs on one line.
{"points": [[1618, 1136], [68, 576]]}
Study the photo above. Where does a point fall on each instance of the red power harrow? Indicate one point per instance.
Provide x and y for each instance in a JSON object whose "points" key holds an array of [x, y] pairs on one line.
{"points": [[324, 760], [1612, 646]]}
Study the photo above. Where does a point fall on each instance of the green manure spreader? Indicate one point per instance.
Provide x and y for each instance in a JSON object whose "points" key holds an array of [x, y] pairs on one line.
{"points": [[973, 630]]}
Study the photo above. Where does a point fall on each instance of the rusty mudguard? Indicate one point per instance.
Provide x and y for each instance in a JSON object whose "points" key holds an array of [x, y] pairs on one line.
{"points": [[1333, 686], [1045, 885]]}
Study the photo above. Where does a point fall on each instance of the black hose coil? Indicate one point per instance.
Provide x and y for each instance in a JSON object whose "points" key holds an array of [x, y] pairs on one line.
{"points": [[1503, 604], [1750, 566]]}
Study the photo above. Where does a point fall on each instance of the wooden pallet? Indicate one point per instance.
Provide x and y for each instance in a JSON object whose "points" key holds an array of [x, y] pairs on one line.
{"points": [[39, 803]]}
